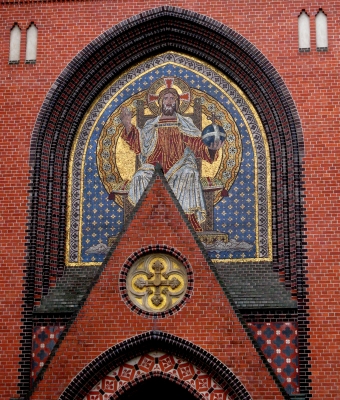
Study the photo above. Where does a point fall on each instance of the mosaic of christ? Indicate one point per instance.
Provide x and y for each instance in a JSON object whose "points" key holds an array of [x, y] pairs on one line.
{"points": [[173, 116]]}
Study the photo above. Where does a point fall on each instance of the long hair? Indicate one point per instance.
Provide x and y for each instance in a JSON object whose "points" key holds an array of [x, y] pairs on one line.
{"points": [[163, 93]]}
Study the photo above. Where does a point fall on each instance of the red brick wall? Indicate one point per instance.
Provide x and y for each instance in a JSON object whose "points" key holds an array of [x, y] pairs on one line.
{"points": [[65, 28]]}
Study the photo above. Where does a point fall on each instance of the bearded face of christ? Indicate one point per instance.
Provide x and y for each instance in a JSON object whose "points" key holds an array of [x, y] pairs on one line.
{"points": [[169, 104]]}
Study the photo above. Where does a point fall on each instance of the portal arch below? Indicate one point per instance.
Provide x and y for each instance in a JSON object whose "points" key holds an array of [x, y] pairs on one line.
{"points": [[155, 354], [158, 387]]}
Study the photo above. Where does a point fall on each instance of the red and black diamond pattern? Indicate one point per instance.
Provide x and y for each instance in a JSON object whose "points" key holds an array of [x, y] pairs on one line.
{"points": [[278, 342], [44, 339]]}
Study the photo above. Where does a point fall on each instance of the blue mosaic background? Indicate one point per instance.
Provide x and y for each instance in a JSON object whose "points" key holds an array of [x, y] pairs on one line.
{"points": [[102, 218]]}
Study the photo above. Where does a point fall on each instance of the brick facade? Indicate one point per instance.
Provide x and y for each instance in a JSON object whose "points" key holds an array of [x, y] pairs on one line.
{"points": [[304, 99], [214, 326]]}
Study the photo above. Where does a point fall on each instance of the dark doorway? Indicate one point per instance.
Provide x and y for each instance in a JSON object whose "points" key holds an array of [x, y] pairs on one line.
{"points": [[156, 389]]}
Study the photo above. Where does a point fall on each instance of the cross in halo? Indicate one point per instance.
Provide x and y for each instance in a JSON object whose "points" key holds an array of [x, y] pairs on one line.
{"points": [[168, 83]]}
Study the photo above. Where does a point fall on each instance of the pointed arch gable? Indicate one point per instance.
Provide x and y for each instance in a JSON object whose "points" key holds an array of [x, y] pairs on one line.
{"points": [[122, 353], [133, 40], [102, 60]]}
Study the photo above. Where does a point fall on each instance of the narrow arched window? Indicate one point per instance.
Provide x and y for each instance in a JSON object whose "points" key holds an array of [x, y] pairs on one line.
{"points": [[321, 31], [14, 45], [304, 31], [31, 43]]}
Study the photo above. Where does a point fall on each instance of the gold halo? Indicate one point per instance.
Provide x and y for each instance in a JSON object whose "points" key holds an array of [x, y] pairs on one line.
{"points": [[179, 84]]}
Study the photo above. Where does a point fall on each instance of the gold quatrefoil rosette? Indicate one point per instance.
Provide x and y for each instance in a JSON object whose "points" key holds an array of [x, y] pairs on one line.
{"points": [[156, 283]]}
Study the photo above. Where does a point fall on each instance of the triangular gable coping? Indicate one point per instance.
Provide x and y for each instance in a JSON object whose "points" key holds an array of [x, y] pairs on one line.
{"points": [[159, 173]]}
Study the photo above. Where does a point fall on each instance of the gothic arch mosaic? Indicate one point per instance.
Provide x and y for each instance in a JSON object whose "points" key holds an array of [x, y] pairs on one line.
{"points": [[99, 64], [103, 178], [155, 354]]}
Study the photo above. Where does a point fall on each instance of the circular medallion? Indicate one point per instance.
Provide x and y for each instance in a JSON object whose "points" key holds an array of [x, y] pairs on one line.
{"points": [[156, 283]]}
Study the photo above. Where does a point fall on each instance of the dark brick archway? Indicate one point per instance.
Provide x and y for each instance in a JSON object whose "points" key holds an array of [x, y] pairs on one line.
{"points": [[152, 32], [151, 341]]}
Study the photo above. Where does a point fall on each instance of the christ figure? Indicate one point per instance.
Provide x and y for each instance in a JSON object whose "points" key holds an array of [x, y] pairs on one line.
{"points": [[173, 141]]}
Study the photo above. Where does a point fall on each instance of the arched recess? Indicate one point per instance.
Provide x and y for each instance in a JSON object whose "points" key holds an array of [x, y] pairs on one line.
{"points": [[166, 385], [196, 359], [133, 40], [165, 28]]}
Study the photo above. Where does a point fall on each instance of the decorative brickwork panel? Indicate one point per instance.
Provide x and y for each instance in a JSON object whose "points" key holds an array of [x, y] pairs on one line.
{"points": [[44, 339], [158, 364], [278, 342]]}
